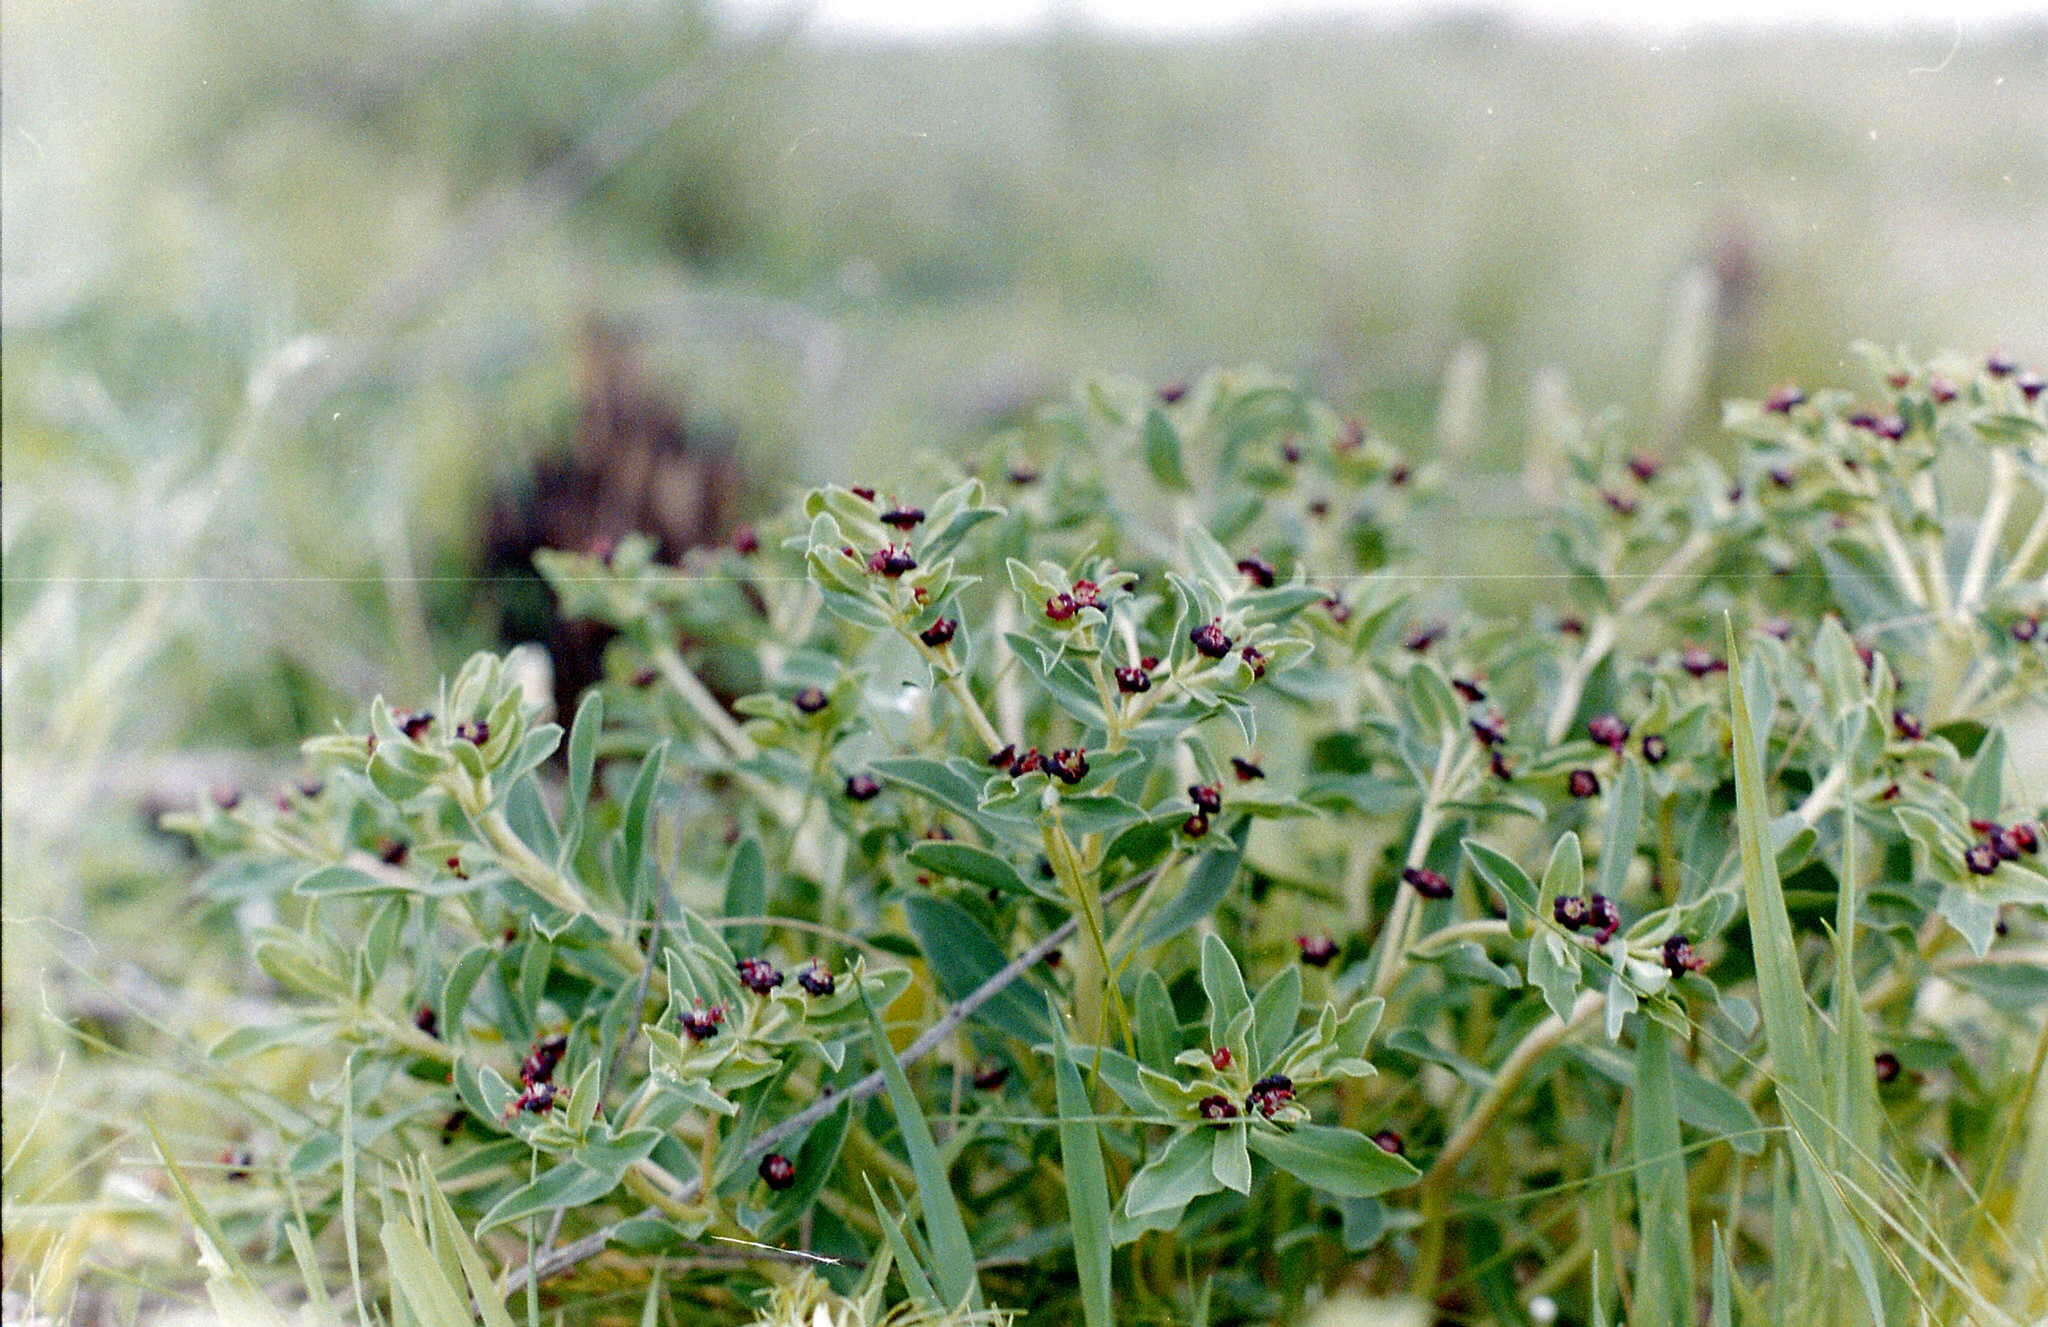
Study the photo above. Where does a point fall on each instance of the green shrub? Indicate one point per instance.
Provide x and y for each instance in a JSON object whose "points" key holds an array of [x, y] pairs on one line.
{"points": [[1135, 890]]}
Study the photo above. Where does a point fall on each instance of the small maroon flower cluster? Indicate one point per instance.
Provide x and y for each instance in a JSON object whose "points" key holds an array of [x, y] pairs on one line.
{"points": [[1889, 427], [1700, 662], [476, 732], [1209, 640], [1490, 728], [816, 979], [1316, 950], [1655, 748], [1245, 770], [1257, 570], [1907, 726], [1069, 765], [1582, 783], [1679, 957], [1269, 1094], [759, 975], [1428, 883], [1062, 606], [2001, 843], [940, 633], [701, 1023], [536, 1076], [778, 1172], [1609, 731], [414, 726], [1574, 913], [1207, 797], [891, 560], [1217, 1108], [863, 787], [1136, 678], [810, 700]]}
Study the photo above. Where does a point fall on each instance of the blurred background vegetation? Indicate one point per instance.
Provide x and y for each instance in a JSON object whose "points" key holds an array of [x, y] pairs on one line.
{"points": [[292, 292]]}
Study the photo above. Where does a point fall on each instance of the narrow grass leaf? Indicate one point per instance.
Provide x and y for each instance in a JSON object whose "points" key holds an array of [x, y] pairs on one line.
{"points": [[1664, 1273], [953, 1252], [1087, 1185]]}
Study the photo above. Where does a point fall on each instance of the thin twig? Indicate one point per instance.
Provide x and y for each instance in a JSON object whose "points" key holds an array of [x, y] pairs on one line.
{"points": [[556, 1261]]}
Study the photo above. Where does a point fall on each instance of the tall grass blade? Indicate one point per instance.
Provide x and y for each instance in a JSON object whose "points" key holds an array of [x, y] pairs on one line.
{"points": [[1664, 1274], [1087, 1184], [953, 1254]]}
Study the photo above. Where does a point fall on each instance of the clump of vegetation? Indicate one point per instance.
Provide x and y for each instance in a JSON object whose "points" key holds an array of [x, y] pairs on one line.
{"points": [[1134, 890]]}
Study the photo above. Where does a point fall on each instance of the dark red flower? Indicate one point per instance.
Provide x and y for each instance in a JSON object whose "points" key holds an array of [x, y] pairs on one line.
{"points": [[1316, 950], [474, 731], [1086, 594], [1386, 1140], [1269, 1094], [777, 1171], [1679, 958], [816, 979], [1420, 639], [1569, 911], [1608, 730], [392, 852], [939, 632], [426, 1020], [1245, 770], [1784, 400], [1257, 570], [1907, 726], [864, 494], [1941, 389], [1217, 1108], [862, 787], [1209, 640], [1491, 729], [1069, 765], [1061, 607], [810, 700], [1583, 783], [903, 518], [2030, 385], [759, 975], [745, 541], [1195, 826], [226, 796], [891, 560], [1644, 466], [1004, 756], [541, 1061], [1172, 392], [1131, 681], [1257, 661], [1700, 662], [2000, 365], [1618, 503], [701, 1022], [2026, 629], [1885, 1065], [2024, 837], [1428, 883], [1655, 748], [1219, 1059], [989, 1076], [1470, 691], [414, 726], [1601, 912], [1207, 797]]}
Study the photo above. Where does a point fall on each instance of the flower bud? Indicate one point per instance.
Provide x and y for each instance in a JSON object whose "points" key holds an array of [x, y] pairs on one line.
{"points": [[778, 1172], [1428, 883]]}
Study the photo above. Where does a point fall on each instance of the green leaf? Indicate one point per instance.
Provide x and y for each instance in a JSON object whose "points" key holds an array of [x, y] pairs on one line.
{"points": [[1702, 1103], [1230, 1160], [1340, 1162], [953, 1253], [418, 1279], [962, 861], [940, 782], [1508, 880], [1157, 1025], [1223, 983], [1274, 1014], [1624, 823], [460, 981], [583, 734], [746, 894], [1554, 969], [633, 835], [1087, 1184], [1209, 880], [1162, 451], [1175, 1176], [963, 955], [1664, 1250]]}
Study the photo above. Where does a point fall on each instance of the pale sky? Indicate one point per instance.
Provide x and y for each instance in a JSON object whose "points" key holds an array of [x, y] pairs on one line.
{"points": [[963, 17]]}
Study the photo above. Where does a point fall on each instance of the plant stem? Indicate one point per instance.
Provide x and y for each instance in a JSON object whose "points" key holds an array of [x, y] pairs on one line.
{"points": [[2030, 547], [1393, 950], [1602, 638], [701, 702], [1546, 1035], [1997, 506]]}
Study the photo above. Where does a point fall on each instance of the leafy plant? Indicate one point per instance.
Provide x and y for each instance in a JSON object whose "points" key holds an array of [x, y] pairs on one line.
{"points": [[1232, 920]]}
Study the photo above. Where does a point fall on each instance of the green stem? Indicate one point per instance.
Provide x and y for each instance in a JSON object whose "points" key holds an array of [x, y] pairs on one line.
{"points": [[1093, 985], [701, 702], [1507, 1080], [1393, 950]]}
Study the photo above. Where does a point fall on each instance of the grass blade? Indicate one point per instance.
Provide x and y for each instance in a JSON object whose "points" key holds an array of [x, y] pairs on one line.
{"points": [[1664, 1274], [953, 1254], [1087, 1185]]}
